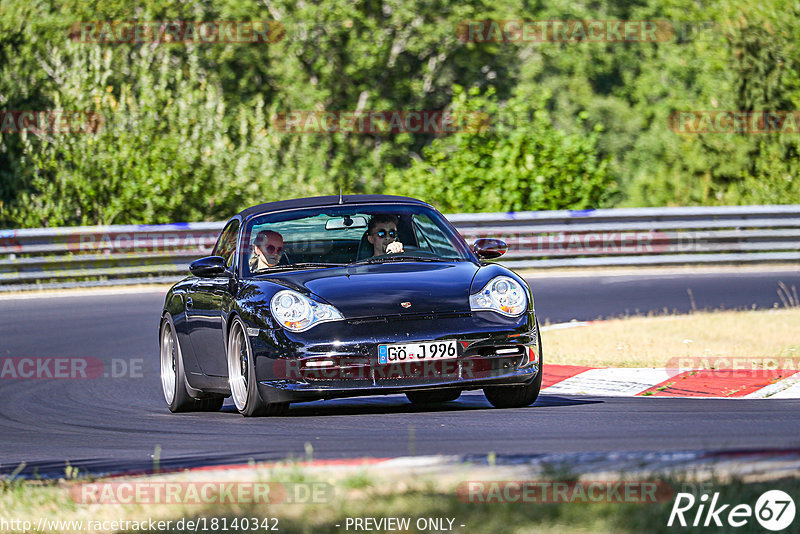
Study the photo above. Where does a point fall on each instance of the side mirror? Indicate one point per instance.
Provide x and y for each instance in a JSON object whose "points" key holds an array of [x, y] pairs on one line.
{"points": [[208, 266], [488, 249]]}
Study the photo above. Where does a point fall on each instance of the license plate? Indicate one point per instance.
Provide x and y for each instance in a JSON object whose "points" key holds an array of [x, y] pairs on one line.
{"points": [[415, 352]]}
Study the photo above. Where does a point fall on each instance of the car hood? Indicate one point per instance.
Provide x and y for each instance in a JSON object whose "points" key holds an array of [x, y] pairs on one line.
{"points": [[380, 289]]}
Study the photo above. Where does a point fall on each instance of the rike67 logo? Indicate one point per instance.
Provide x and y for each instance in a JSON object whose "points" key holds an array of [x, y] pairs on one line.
{"points": [[774, 511]]}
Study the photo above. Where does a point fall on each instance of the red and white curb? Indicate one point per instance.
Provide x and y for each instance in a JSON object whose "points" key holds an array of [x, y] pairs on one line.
{"points": [[654, 382]]}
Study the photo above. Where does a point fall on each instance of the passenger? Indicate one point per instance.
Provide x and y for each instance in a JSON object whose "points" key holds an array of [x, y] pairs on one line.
{"points": [[382, 234], [267, 250]]}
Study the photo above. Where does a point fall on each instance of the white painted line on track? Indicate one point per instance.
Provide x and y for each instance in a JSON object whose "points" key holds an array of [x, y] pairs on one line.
{"points": [[88, 292], [562, 326], [640, 272], [791, 392], [612, 381], [419, 461], [775, 391]]}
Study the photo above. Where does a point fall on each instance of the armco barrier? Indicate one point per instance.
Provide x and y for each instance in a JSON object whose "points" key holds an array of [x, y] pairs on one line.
{"points": [[113, 255]]}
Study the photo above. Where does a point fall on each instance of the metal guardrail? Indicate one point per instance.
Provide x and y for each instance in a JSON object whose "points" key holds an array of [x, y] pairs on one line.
{"points": [[641, 236], [127, 254]]}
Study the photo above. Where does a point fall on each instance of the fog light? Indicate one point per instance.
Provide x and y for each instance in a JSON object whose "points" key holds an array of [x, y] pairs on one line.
{"points": [[319, 363]]}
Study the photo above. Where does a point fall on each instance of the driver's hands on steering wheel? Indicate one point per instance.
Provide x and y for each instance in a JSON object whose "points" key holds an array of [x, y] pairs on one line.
{"points": [[394, 248]]}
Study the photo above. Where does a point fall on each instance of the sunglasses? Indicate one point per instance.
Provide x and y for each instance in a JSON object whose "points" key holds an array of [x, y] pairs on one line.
{"points": [[272, 249], [384, 233]]}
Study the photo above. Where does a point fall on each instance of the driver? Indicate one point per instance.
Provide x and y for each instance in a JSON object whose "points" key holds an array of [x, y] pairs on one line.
{"points": [[382, 234], [267, 250]]}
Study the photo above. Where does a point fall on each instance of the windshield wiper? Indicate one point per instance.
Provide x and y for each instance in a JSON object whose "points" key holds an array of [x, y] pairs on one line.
{"points": [[294, 266], [390, 259], [316, 264]]}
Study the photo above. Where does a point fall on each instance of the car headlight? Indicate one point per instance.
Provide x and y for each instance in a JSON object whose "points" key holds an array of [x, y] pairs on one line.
{"points": [[297, 313], [503, 295]]}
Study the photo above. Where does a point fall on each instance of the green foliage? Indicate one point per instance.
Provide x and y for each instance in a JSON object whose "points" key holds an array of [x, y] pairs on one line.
{"points": [[188, 131], [744, 59], [160, 153], [521, 162]]}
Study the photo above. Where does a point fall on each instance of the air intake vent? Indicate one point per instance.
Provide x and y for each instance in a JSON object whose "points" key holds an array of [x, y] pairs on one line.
{"points": [[410, 317]]}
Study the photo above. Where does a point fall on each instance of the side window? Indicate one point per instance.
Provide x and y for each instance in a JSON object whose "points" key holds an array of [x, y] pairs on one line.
{"points": [[226, 244], [430, 236]]}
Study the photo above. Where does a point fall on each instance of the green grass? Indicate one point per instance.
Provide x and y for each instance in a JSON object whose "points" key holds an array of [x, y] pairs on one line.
{"points": [[372, 493]]}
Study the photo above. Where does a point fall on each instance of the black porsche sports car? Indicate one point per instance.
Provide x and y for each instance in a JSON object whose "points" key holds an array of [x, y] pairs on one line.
{"points": [[341, 296]]}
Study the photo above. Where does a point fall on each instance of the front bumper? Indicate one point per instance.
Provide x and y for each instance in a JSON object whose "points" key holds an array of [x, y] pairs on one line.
{"points": [[341, 359]]}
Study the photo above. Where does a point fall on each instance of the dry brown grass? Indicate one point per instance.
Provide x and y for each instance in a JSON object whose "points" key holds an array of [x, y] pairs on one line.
{"points": [[652, 341]]}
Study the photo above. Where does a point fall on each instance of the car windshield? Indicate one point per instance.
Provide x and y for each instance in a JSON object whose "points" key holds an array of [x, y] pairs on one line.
{"points": [[334, 236]]}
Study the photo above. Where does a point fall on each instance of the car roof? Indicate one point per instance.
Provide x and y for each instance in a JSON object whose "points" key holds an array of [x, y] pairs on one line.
{"points": [[330, 200]]}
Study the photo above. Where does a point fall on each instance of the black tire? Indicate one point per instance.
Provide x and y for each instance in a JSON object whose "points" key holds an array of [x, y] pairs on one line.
{"points": [[514, 396], [211, 404], [173, 376], [517, 396], [434, 396], [242, 376]]}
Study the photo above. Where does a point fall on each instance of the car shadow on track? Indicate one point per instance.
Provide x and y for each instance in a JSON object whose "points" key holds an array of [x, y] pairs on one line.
{"points": [[554, 400], [398, 404]]}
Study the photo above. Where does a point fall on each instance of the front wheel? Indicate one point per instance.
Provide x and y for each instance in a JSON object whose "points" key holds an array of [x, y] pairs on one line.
{"points": [[518, 396], [242, 376], [514, 396]]}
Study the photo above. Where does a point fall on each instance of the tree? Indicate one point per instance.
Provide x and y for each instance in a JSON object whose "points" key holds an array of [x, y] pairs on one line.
{"points": [[521, 162]]}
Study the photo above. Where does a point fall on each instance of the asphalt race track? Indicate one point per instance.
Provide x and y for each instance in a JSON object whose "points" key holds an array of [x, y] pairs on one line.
{"points": [[593, 297], [114, 423]]}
